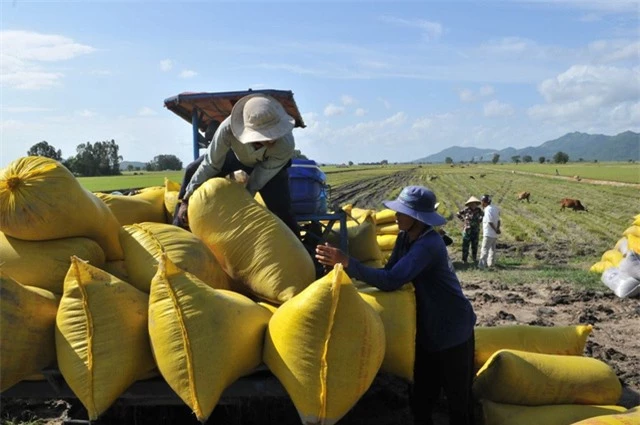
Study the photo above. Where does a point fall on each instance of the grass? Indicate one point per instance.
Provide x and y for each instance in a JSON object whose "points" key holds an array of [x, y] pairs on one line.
{"points": [[540, 274], [129, 180], [626, 172]]}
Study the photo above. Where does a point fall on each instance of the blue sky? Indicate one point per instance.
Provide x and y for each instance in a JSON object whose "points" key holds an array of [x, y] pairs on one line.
{"points": [[374, 80]]}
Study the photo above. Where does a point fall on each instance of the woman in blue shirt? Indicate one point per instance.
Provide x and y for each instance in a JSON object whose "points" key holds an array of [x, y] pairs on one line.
{"points": [[445, 318]]}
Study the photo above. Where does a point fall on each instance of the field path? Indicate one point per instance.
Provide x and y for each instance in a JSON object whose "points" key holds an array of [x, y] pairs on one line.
{"points": [[571, 178]]}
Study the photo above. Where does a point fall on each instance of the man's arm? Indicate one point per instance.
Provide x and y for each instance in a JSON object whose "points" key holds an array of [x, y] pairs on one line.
{"points": [[213, 160]]}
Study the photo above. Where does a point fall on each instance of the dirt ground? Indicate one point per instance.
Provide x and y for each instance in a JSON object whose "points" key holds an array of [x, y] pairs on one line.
{"points": [[614, 340]]}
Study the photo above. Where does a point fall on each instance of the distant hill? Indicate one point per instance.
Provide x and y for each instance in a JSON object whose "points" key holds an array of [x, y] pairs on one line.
{"points": [[124, 165], [589, 147]]}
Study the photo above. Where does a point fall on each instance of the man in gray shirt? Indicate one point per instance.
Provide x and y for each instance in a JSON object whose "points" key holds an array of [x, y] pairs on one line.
{"points": [[256, 138]]}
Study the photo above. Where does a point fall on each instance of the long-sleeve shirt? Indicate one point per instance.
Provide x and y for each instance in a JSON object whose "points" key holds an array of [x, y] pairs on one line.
{"points": [[266, 161], [445, 317]]}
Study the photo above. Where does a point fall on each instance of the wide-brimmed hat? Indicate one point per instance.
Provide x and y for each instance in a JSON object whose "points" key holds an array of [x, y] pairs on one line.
{"points": [[417, 202], [259, 118], [472, 200]]}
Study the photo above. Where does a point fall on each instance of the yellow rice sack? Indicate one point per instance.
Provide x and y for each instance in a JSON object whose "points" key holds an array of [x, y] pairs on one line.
{"points": [[385, 216], [362, 240], [397, 309], [560, 414], [27, 330], [568, 340], [600, 267], [387, 229], [41, 200], [534, 379], [45, 263], [613, 256], [386, 242], [144, 244], [632, 230], [326, 346], [102, 341], [132, 209], [203, 339], [630, 417], [359, 214], [171, 191], [633, 242], [251, 244]]}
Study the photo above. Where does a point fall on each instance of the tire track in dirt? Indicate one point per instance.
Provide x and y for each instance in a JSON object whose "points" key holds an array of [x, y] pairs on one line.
{"points": [[370, 192]]}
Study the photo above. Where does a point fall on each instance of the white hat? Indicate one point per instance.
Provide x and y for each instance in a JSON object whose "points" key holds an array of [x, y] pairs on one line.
{"points": [[472, 200], [259, 118]]}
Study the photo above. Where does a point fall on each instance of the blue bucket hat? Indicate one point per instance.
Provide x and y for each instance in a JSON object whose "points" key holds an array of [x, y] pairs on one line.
{"points": [[417, 202]]}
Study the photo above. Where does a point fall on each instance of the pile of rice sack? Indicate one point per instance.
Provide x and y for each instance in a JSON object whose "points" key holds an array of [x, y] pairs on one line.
{"points": [[620, 266]]}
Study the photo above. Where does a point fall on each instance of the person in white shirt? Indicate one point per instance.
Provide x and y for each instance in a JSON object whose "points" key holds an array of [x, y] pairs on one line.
{"points": [[490, 232], [256, 138]]}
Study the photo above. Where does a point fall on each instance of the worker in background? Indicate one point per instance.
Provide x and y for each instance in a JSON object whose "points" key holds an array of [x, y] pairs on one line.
{"points": [[257, 138], [445, 318], [471, 216]]}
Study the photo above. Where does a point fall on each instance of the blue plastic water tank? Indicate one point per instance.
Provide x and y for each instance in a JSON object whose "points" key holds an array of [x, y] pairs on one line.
{"points": [[308, 187]]}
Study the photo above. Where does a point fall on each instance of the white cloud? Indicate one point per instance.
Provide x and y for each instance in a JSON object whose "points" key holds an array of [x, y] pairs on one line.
{"points": [[601, 97], [361, 112], [609, 51], [187, 73], [486, 91], [23, 55], [34, 46], [166, 65], [468, 95], [332, 110], [495, 108], [85, 113], [385, 102], [30, 80], [145, 111], [347, 100], [430, 30]]}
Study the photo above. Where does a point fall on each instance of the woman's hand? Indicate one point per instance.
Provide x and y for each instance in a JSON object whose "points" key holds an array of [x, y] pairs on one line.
{"points": [[330, 256]]}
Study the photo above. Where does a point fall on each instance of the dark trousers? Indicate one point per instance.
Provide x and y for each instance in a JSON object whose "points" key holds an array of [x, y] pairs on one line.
{"points": [[275, 194], [470, 239], [450, 370]]}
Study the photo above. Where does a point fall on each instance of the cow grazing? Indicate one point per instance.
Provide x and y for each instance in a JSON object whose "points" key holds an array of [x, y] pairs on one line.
{"points": [[482, 175], [524, 195], [574, 204]]}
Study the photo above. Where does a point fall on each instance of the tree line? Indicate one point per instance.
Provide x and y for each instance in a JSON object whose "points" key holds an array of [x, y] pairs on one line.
{"points": [[99, 159], [559, 158], [103, 159]]}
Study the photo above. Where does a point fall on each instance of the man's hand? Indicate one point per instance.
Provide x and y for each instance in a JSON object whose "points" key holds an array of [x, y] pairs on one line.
{"points": [[183, 215]]}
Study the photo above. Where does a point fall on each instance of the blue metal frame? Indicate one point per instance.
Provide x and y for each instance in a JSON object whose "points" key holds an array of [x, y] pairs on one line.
{"points": [[331, 219]]}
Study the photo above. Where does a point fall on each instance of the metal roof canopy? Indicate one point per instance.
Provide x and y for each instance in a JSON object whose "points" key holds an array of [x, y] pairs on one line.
{"points": [[200, 109]]}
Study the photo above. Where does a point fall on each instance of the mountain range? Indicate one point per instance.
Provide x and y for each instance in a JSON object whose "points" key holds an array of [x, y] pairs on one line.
{"points": [[588, 147]]}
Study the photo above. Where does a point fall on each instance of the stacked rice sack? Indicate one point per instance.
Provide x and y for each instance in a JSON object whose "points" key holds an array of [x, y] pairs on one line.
{"points": [[620, 266], [78, 287], [533, 375]]}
